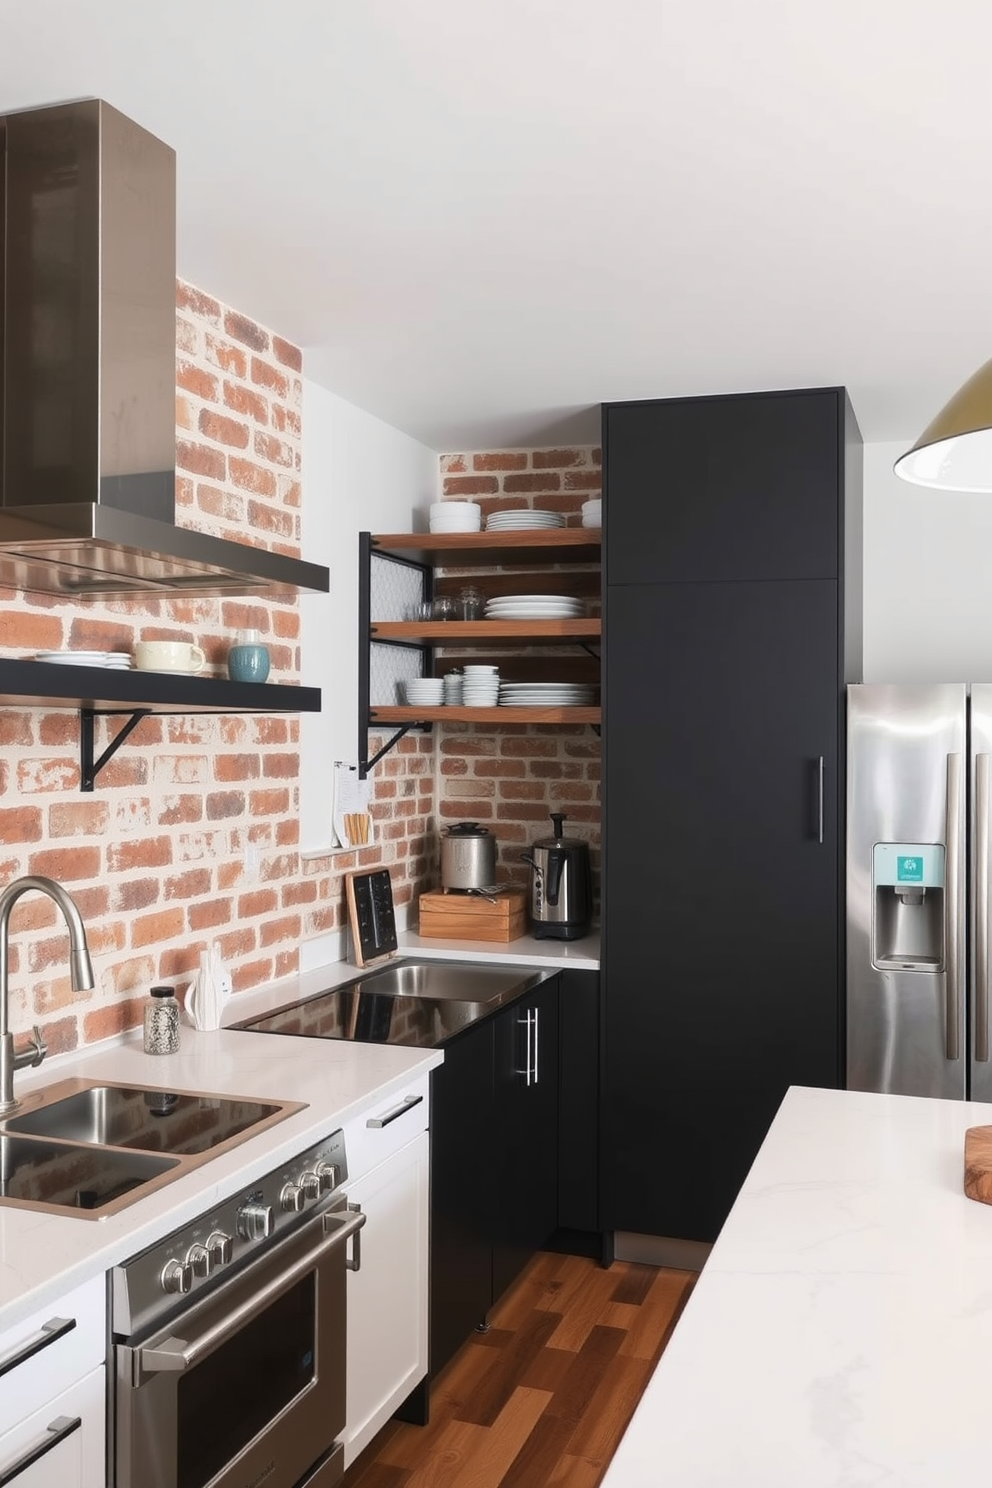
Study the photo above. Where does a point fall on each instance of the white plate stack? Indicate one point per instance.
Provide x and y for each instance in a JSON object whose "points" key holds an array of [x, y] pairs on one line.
{"points": [[480, 688], [117, 660], [535, 607], [523, 520], [546, 695], [455, 516], [424, 692], [592, 513]]}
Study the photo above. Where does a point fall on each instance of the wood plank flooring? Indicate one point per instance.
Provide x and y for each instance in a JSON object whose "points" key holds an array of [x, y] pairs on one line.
{"points": [[542, 1399]]}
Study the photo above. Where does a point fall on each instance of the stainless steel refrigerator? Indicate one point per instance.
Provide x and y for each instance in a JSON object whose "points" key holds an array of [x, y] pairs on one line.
{"points": [[919, 767]]}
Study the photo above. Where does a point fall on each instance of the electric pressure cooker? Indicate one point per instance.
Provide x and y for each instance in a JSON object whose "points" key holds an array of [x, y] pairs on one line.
{"points": [[560, 885]]}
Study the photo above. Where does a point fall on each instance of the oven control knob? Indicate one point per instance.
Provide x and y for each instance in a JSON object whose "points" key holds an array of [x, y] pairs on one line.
{"points": [[199, 1260], [220, 1248], [255, 1221], [292, 1198], [328, 1174], [310, 1184], [177, 1276]]}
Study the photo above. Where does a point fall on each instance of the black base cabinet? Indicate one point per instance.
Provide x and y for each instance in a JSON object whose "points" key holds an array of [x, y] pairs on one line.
{"points": [[494, 1162], [728, 636]]}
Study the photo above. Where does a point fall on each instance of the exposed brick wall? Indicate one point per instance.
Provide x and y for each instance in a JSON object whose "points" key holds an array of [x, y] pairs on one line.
{"points": [[511, 777], [159, 857]]}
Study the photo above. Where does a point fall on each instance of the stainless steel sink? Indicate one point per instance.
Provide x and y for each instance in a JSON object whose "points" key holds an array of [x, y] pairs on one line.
{"points": [[459, 981], [83, 1147], [68, 1175]]}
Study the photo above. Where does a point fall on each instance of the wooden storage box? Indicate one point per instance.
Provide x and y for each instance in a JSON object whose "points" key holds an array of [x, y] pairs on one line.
{"points": [[470, 917]]}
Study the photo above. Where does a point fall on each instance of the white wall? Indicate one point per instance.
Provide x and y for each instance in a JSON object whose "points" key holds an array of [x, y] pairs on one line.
{"points": [[927, 579], [359, 474]]}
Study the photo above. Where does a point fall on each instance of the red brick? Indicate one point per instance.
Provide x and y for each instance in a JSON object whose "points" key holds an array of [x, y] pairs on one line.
{"points": [[466, 810], [286, 420], [193, 379], [521, 811], [223, 430], [584, 480], [304, 892], [501, 460], [26, 630], [521, 790], [143, 852], [62, 1036], [58, 729], [263, 374], [20, 824], [200, 459], [213, 912], [203, 306], [453, 464], [187, 885], [549, 480], [258, 902], [236, 767], [178, 809], [221, 805], [227, 357], [135, 893], [238, 942], [528, 746], [66, 863], [149, 930], [276, 451], [502, 768], [267, 519], [125, 770], [281, 766], [288, 832], [268, 802], [243, 329], [241, 399], [251, 477], [470, 485], [272, 932], [557, 459], [286, 624], [253, 974], [78, 818], [285, 352]]}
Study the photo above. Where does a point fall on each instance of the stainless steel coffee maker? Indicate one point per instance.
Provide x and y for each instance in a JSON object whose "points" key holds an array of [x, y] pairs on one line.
{"points": [[560, 885]]}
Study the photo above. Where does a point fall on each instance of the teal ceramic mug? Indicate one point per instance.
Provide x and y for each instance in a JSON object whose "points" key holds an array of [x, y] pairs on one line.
{"points": [[248, 659]]}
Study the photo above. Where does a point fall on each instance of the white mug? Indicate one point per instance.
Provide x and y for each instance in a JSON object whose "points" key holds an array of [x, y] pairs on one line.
{"points": [[168, 656]]}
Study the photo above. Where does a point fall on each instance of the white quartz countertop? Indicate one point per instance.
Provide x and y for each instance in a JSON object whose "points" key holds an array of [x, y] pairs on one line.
{"points": [[43, 1255], [840, 1334], [555, 955]]}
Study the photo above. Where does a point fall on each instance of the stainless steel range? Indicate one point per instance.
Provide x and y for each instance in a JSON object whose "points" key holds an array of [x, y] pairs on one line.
{"points": [[229, 1335]]}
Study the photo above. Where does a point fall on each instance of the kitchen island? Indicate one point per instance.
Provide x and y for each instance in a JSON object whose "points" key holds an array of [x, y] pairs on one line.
{"points": [[841, 1330]]}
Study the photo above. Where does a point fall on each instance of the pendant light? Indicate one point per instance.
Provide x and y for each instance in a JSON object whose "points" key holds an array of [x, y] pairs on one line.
{"points": [[954, 452]]}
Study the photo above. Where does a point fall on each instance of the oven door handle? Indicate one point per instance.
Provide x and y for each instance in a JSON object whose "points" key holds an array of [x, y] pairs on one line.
{"points": [[177, 1354]]}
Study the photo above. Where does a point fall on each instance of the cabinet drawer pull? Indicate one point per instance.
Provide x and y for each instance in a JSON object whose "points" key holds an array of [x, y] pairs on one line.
{"points": [[49, 1332], [56, 1431], [537, 1065], [407, 1104]]}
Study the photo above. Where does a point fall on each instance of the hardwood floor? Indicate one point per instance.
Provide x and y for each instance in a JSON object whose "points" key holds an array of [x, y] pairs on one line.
{"points": [[543, 1398]]}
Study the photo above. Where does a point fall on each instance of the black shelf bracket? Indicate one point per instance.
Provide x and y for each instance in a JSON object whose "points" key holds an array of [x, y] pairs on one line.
{"points": [[89, 768], [365, 765]]}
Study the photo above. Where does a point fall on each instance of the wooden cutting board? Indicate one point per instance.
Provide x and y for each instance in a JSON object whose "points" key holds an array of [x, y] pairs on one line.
{"points": [[470, 917], [978, 1163]]}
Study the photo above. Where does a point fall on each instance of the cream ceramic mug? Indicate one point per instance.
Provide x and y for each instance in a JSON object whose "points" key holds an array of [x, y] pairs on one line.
{"points": [[168, 656]]}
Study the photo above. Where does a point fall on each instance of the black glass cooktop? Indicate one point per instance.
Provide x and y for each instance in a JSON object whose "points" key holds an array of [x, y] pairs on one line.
{"points": [[371, 1018]]}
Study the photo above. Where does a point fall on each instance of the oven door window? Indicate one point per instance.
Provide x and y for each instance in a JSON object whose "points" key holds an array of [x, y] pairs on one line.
{"points": [[242, 1387]]}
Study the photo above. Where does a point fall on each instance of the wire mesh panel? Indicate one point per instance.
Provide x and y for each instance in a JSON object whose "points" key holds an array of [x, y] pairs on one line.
{"points": [[389, 668], [396, 590]]}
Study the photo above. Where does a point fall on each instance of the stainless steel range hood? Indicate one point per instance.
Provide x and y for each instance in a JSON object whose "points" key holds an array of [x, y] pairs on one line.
{"points": [[88, 370]]}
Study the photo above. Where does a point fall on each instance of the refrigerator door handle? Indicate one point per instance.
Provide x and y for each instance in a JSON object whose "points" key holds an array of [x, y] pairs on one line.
{"points": [[982, 774], [952, 908], [819, 800]]}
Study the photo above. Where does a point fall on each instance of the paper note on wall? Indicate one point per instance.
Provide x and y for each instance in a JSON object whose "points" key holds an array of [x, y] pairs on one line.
{"points": [[351, 818]]}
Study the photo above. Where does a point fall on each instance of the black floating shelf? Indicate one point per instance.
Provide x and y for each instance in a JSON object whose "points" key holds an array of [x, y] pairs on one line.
{"points": [[38, 684], [97, 691]]}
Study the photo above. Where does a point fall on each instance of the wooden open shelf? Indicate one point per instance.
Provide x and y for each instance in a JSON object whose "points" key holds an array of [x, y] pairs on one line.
{"points": [[483, 715], [445, 632], [535, 545]]}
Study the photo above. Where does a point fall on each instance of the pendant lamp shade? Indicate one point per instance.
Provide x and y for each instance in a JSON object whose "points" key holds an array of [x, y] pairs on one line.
{"points": [[954, 452]]}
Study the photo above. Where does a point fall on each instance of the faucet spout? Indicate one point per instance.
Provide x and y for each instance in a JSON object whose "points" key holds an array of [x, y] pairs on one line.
{"points": [[80, 974]]}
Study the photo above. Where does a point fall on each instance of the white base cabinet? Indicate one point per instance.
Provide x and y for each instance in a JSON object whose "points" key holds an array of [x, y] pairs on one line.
{"points": [[53, 1394], [388, 1295]]}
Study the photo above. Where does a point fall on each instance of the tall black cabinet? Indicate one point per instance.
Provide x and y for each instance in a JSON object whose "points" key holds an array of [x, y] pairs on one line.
{"points": [[732, 600]]}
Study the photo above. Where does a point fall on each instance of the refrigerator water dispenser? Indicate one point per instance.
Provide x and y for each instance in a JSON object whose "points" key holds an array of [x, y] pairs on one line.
{"points": [[907, 932]]}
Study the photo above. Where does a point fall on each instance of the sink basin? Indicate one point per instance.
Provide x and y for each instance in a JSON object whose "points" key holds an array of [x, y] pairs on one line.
{"points": [[152, 1120], [63, 1175], [459, 981], [83, 1147]]}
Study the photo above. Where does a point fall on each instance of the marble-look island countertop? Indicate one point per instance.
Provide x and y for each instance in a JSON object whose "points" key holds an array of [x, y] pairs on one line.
{"points": [[840, 1334], [43, 1255]]}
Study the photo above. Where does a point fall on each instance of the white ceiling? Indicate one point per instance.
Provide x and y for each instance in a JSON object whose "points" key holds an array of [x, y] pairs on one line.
{"points": [[481, 218]]}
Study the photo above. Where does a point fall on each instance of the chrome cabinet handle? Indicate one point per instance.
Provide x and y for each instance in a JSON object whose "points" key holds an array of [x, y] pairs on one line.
{"points": [[174, 1355], [528, 1070], [819, 798], [982, 764], [48, 1333], [537, 1025], [952, 837], [55, 1432], [355, 1264], [406, 1104]]}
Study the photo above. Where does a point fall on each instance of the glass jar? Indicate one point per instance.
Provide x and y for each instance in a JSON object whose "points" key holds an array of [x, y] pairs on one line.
{"points": [[472, 603], [444, 608], [161, 1022]]}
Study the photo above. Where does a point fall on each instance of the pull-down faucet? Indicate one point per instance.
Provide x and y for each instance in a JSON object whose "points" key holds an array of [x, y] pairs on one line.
{"points": [[80, 973]]}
